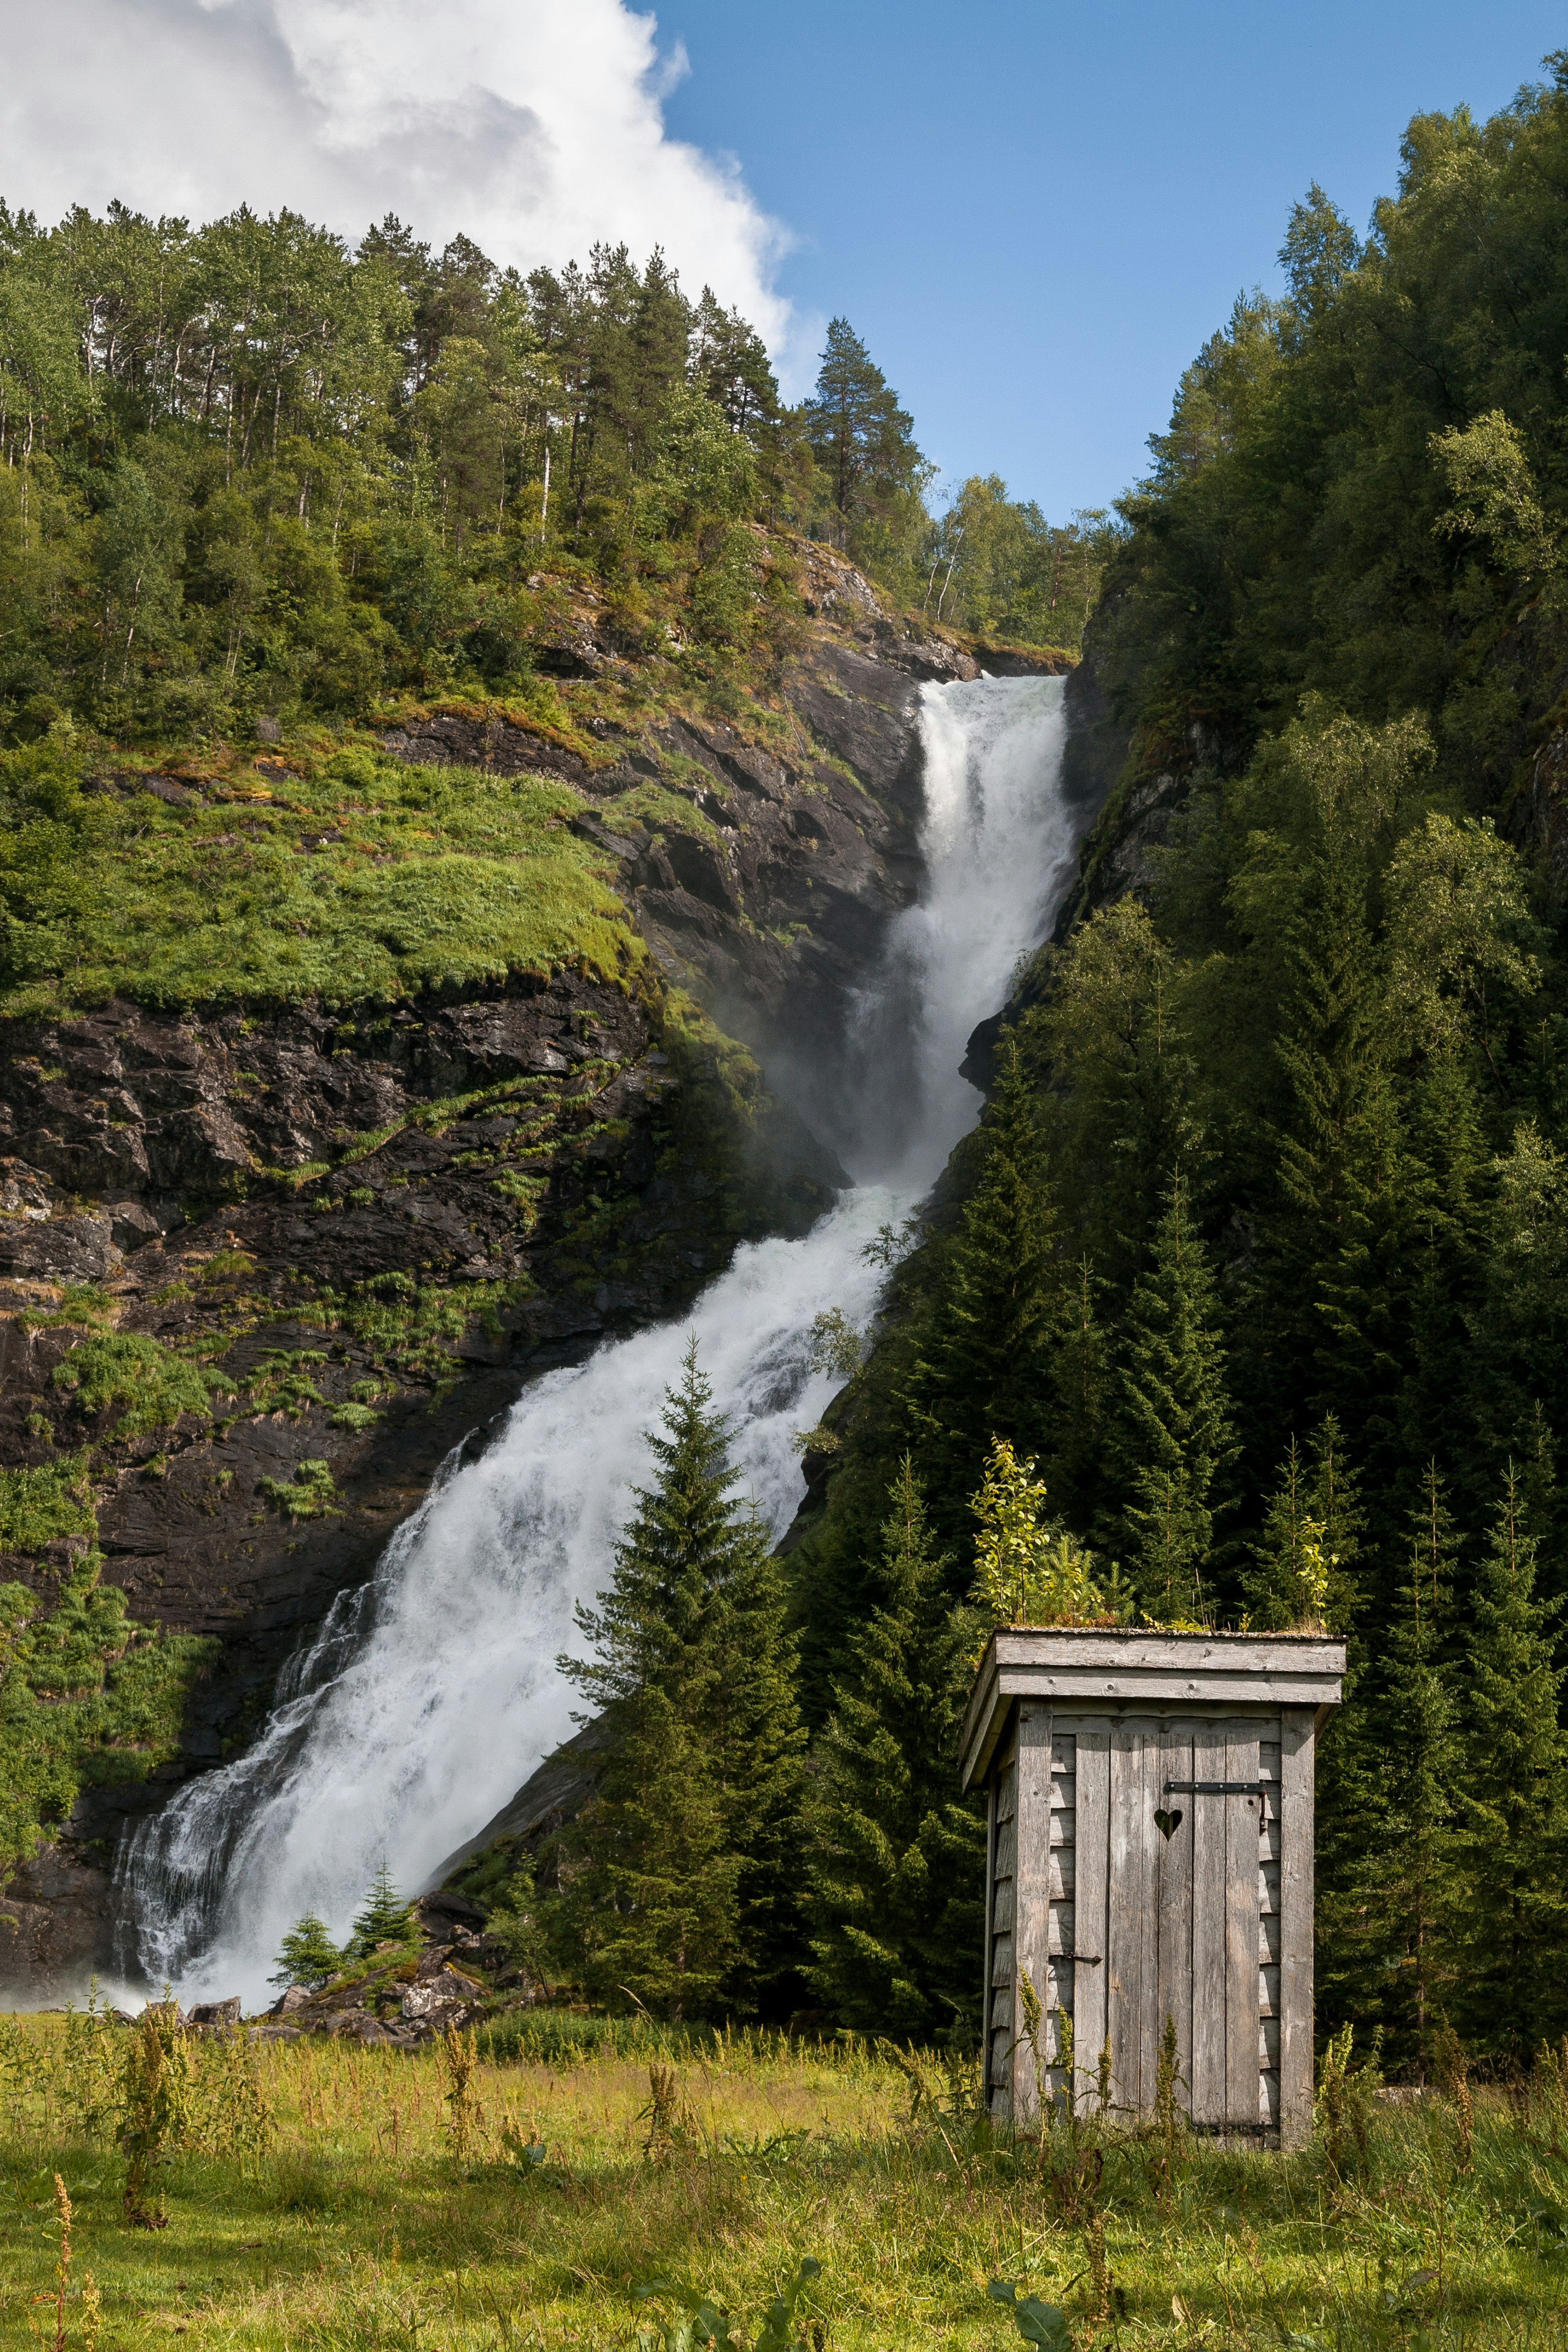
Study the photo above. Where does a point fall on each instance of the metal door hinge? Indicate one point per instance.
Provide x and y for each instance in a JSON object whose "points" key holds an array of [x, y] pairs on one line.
{"points": [[1222, 1788]]}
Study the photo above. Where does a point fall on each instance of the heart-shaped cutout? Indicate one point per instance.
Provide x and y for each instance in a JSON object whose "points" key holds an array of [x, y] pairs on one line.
{"points": [[1167, 1823]]}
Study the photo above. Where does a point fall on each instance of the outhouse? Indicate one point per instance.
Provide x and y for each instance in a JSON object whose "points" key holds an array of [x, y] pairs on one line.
{"points": [[1149, 1856]]}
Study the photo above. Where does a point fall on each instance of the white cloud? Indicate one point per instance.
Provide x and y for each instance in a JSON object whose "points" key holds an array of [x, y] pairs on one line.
{"points": [[534, 126]]}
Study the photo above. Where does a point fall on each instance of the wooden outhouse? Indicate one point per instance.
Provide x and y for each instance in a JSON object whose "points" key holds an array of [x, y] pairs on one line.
{"points": [[1150, 1856]]}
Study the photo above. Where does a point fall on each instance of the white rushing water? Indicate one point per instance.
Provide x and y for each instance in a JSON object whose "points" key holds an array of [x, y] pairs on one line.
{"points": [[432, 1692]]}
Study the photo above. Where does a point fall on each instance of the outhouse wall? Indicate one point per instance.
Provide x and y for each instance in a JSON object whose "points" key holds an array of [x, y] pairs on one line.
{"points": [[1150, 1856]]}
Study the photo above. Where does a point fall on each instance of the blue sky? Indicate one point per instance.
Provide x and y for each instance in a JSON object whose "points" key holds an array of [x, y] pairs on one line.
{"points": [[1035, 213]]}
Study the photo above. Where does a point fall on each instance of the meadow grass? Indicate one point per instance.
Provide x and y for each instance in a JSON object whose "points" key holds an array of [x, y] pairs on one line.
{"points": [[359, 2224]]}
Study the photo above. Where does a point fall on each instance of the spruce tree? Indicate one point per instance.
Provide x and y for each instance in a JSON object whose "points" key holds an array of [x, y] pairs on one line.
{"points": [[1311, 1537], [1414, 1863], [987, 1369], [895, 1868], [1513, 1980], [383, 1919], [1175, 1441], [308, 1956], [675, 1880], [1081, 1394]]}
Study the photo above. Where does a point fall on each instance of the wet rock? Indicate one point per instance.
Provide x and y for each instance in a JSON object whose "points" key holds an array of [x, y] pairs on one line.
{"points": [[217, 2012]]}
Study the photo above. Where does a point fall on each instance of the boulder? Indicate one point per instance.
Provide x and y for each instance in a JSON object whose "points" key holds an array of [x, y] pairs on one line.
{"points": [[218, 2012]]}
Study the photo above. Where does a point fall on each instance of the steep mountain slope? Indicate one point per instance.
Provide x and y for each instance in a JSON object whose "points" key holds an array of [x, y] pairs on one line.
{"points": [[263, 1263]]}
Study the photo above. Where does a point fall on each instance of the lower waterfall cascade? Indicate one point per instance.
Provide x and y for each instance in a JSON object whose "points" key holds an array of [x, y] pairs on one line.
{"points": [[430, 1693]]}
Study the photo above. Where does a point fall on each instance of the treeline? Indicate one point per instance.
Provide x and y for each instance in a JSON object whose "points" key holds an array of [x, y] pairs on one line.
{"points": [[248, 471], [1260, 1247]]}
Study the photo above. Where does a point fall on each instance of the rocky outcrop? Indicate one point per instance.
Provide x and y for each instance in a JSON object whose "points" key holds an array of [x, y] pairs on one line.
{"points": [[764, 862], [368, 1232]]}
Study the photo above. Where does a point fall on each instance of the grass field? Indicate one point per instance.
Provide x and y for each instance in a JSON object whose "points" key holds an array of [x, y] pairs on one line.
{"points": [[347, 2213]]}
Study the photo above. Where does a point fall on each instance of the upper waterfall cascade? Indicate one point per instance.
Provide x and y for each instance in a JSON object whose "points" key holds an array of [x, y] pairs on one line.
{"points": [[429, 1695]]}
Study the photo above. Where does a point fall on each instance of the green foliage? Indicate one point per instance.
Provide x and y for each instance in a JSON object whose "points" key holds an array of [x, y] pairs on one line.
{"points": [[383, 1918], [1514, 1800], [677, 1880], [985, 1371], [123, 1368], [998, 568], [703, 2321], [308, 1955], [863, 442], [1027, 1569], [37, 1507], [437, 877], [87, 1696], [155, 2111], [311, 1494], [1175, 1437], [896, 1856]]}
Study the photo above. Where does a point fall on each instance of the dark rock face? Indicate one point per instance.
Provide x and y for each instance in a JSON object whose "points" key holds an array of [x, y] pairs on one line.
{"points": [[54, 1924], [279, 1188]]}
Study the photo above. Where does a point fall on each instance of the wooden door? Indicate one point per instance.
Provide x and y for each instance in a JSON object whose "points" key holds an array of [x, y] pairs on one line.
{"points": [[1173, 1826]]}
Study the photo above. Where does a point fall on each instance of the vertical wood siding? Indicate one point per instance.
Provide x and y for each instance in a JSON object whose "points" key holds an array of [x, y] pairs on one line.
{"points": [[1121, 1927]]}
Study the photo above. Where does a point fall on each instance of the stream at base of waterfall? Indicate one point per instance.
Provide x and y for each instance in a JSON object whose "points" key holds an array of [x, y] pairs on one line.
{"points": [[431, 1693]]}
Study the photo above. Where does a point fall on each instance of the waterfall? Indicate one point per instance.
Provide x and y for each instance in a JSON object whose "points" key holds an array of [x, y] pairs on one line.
{"points": [[431, 1693]]}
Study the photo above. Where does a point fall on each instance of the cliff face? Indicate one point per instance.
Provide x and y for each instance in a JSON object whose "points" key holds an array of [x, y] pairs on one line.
{"points": [[260, 1271]]}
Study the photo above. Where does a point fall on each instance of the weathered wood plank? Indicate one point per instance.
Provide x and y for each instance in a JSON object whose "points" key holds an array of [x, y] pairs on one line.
{"points": [[1210, 1755], [1125, 1943], [990, 1926], [1151, 2016], [1064, 1876], [1007, 1792], [1268, 2099], [1002, 1960], [1033, 1883], [1268, 1991], [1269, 1937], [1062, 1946], [1093, 1670], [1175, 1862], [1007, 1847], [1295, 1907], [1241, 1931], [1090, 1922], [1002, 1914], [1268, 1889]]}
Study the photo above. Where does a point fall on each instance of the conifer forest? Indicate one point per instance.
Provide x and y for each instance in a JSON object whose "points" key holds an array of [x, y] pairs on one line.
{"points": [[475, 1317]]}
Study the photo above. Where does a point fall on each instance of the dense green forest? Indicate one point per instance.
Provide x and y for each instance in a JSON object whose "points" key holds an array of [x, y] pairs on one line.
{"points": [[251, 473], [1260, 1251]]}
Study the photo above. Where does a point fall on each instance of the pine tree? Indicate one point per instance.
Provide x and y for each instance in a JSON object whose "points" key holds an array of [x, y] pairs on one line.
{"points": [[1513, 1987], [1304, 1566], [308, 1955], [1080, 1390], [862, 440], [385, 1918], [986, 1371], [1175, 1440], [676, 1880], [1415, 1862], [896, 1858]]}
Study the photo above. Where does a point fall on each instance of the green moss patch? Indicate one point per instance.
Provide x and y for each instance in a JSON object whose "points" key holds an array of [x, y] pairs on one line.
{"points": [[87, 1696], [368, 882]]}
